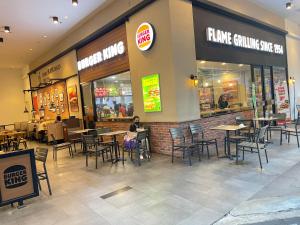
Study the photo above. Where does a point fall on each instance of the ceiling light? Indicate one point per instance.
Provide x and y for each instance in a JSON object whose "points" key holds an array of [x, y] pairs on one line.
{"points": [[45, 36], [66, 17], [1, 40], [6, 29], [223, 64], [55, 19], [74, 2], [240, 65], [202, 62], [288, 5], [30, 49]]}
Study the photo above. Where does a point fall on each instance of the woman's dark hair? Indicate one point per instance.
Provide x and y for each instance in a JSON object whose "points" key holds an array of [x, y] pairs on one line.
{"points": [[221, 98], [135, 117], [58, 118]]}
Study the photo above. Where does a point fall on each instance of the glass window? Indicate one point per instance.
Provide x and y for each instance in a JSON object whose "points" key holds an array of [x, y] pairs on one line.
{"points": [[88, 104], [113, 96], [223, 87], [281, 91]]}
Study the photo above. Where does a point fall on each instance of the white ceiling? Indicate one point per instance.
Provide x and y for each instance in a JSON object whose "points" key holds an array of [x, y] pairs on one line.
{"points": [[30, 21], [278, 7]]}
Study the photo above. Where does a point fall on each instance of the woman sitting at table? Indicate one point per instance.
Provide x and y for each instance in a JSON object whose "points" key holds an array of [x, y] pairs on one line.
{"points": [[223, 103], [135, 125]]}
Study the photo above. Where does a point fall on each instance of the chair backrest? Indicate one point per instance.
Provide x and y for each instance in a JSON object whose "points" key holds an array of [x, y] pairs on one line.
{"points": [[196, 130], [89, 140], [177, 134], [55, 129], [142, 135], [54, 141], [260, 136], [41, 154], [93, 133]]}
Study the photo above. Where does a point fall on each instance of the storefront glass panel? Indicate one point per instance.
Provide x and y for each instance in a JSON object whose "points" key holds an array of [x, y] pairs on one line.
{"points": [[223, 87], [113, 97], [281, 91], [87, 104], [268, 90]]}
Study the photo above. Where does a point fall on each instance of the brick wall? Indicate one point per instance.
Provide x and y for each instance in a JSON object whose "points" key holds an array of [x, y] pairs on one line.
{"points": [[160, 139]]}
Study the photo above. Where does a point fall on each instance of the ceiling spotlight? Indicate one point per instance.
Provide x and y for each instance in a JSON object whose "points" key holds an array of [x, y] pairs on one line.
{"points": [[223, 64], [288, 5], [55, 19], [30, 49], [6, 29], [74, 2], [1, 40], [45, 36]]}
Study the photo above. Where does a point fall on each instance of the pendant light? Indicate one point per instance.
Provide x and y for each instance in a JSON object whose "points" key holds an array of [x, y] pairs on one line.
{"points": [[288, 5], [25, 110]]}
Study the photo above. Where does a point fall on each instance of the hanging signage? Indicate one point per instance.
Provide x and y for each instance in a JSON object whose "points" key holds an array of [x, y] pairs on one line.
{"points": [[100, 56], [242, 41], [18, 176], [282, 98], [151, 93], [144, 36]]}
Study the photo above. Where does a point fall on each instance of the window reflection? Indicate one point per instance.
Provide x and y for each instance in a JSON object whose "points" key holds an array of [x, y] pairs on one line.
{"points": [[223, 87], [113, 96]]}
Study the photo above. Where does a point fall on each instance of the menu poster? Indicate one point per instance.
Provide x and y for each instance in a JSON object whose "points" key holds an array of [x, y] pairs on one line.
{"points": [[151, 93], [282, 98], [230, 88], [18, 176], [73, 98]]}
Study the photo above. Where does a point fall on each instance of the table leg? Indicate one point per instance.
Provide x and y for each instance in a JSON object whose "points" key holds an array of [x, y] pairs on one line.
{"points": [[228, 145]]}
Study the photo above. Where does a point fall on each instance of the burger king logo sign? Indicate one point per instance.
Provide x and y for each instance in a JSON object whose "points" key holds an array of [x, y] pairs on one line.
{"points": [[144, 36]]}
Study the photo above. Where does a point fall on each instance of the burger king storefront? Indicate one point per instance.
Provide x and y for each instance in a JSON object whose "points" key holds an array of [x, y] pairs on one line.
{"points": [[143, 66]]}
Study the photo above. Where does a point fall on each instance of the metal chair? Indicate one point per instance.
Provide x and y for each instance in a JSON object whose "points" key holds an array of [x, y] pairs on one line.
{"points": [[289, 131], [57, 147], [140, 147], [281, 123], [92, 147], [41, 156], [197, 133], [254, 146], [179, 144]]}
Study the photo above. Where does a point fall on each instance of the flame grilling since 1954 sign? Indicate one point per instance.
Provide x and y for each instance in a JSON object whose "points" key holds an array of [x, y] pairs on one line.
{"points": [[145, 36]]}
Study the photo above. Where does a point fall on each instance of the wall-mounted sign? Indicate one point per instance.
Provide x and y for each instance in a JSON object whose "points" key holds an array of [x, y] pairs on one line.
{"points": [[18, 176], [242, 41], [102, 55], [151, 93], [144, 36], [62, 68]]}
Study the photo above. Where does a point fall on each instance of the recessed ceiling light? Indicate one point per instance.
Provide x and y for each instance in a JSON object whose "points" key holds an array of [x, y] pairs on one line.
{"points": [[55, 19], [113, 77], [223, 64], [288, 5], [45, 36], [202, 62], [241, 65], [66, 17], [30, 49], [74, 2], [1, 40], [6, 29]]}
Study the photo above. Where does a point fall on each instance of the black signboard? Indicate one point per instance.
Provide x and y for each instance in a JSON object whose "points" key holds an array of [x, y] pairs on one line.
{"points": [[224, 38]]}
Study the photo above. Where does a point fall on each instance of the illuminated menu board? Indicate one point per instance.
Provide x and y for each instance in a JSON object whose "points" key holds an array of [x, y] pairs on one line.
{"points": [[151, 93]]}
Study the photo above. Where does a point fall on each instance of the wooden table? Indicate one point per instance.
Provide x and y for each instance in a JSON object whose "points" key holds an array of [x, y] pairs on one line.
{"points": [[228, 128], [114, 134], [81, 131]]}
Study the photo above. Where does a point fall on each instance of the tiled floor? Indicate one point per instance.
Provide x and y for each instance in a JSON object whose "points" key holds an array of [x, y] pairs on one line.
{"points": [[161, 193]]}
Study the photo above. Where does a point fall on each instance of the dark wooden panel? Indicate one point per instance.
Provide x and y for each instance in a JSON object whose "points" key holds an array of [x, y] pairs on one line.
{"points": [[205, 50], [115, 65]]}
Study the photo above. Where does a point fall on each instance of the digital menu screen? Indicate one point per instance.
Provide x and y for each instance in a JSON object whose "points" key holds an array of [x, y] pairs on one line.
{"points": [[151, 93]]}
